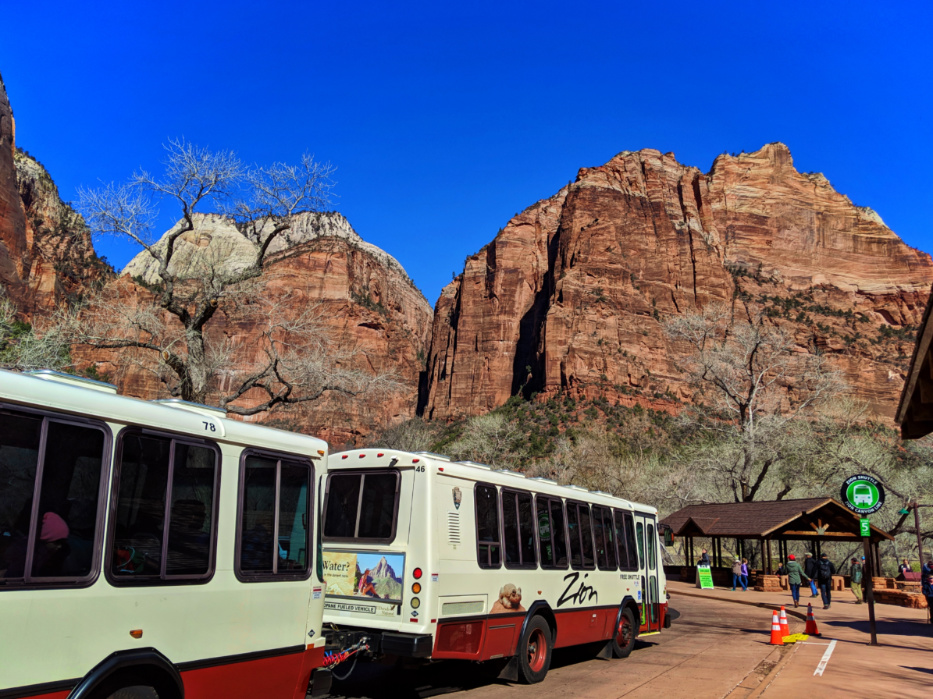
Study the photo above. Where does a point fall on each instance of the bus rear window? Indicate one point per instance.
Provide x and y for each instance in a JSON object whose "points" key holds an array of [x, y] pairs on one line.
{"points": [[361, 506], [50, 488]]}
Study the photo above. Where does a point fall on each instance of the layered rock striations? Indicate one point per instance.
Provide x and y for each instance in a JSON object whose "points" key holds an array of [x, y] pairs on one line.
{"points": [[371, 313], [571, 295], [46, 254]]}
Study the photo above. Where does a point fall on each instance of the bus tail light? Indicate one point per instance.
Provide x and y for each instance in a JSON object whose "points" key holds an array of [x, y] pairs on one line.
{"points": [[415, 602], [417, 573], [416, 588]]}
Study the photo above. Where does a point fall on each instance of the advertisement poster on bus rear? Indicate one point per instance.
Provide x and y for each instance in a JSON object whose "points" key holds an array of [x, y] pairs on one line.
{"points": [[371, 575]]}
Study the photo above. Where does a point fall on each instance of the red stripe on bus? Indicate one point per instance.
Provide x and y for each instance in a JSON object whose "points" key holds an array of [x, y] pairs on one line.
{"points": [[267, 677]]}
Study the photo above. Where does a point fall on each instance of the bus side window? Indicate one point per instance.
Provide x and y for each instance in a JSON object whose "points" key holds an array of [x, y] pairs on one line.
{"points": [[518, 528], [559, 535], [153, 470], [605, 543], [573, 531], [586, 536], [640, 543], [60, 532], [274, 534], [625, 537], [488, 546]]}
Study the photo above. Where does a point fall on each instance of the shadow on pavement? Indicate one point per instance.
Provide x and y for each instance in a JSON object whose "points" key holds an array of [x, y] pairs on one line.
{"points": [[919, 669], [376, 681], [891, 628]]}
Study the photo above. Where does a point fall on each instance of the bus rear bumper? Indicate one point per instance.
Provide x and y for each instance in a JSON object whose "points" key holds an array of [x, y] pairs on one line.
{"points": [[381, 643]]}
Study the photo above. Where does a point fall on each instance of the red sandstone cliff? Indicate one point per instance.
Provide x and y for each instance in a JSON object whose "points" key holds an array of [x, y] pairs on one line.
{"points": [[46, 255], [366, 303], [570, 296]]}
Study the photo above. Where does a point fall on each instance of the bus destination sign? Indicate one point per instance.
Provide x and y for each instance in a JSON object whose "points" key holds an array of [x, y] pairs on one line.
{"points": [[862, 494]]}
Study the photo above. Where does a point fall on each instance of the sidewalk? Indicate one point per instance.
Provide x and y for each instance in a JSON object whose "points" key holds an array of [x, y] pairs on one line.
{"points": [[902, 663]]}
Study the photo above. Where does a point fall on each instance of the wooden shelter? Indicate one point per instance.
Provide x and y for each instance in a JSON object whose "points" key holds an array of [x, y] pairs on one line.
{"points": [[812, 521], [915, 412]]}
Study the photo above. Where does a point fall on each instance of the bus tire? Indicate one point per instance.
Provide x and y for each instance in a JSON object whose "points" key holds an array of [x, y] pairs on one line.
{"points": [[534, 651], [623, 638]]}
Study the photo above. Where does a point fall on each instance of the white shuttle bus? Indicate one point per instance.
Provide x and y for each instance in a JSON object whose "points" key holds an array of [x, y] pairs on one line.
{"points": [[434, 559], [154, 548]]}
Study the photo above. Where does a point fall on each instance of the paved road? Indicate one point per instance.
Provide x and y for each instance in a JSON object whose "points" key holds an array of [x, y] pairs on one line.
{"points": [[713, 649]]}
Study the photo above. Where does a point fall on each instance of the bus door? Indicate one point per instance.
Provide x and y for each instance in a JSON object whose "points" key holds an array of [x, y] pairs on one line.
{"points": [[646, 537]]}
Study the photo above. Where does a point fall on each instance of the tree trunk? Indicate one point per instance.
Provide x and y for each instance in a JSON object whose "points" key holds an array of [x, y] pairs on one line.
{"points": [[197, 385]]}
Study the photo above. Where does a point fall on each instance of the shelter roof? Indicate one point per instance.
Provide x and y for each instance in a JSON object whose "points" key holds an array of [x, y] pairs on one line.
{"points": [[915, 412], [810, 518]]}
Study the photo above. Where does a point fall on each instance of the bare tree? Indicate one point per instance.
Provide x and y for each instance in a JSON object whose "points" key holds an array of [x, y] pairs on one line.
{"points": [[753, 384], [23, 348], [170, 326]]}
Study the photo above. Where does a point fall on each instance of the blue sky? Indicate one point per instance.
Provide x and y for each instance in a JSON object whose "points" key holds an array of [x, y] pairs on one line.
{"points": [[445, 120]]}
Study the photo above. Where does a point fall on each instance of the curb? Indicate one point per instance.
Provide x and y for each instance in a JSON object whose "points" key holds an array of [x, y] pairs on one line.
{"points": [[771, 676], [761, 605]]}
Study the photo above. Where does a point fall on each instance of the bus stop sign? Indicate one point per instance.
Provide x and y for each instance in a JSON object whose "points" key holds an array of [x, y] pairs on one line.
{"points": [[862, 494]]}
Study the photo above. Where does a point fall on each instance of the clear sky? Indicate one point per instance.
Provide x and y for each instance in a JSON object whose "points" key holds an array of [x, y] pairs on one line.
{"points": [[445, 119]]}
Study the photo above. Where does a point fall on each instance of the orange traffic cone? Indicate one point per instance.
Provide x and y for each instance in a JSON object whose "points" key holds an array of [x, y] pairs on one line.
{"points": [[785, 629], [777, 636], [811, 629]]}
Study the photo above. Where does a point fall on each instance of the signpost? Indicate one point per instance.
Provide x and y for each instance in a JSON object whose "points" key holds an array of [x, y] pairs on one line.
{"points": [[864, 495]]}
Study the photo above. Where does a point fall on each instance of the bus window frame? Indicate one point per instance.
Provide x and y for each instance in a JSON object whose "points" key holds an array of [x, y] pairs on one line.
{"points": [[106, 469], [604, 510], [628, 524], [498, 511], [549, 501], [580, 536], [160, 580], [361, 472], [516, 492], [241, 492]]}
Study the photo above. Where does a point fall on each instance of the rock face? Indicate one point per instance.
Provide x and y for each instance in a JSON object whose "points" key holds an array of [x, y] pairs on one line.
{"points": [[46, 255], [570, 296], [367, 305]]}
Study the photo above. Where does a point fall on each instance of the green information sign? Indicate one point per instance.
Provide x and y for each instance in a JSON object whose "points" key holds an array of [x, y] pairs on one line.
{"points": [[862, 494], [704, 578], [864, 527]]}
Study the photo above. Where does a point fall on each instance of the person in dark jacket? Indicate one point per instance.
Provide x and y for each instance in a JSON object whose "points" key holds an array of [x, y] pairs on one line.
{"points": [[795, 576], [928, 593], [855, 582], [704, 558], [809, 567], [824, 574]]}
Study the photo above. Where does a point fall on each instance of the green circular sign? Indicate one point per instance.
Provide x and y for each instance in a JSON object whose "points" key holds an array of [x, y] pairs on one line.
{"points": [[862, 494]]}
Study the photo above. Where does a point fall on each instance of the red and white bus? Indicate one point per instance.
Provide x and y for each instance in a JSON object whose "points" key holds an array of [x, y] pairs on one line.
{"points": [[434, 559], [154, 548]]}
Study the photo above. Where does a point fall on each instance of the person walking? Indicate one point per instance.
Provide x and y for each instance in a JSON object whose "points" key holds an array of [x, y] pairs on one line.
{"points": [[795, 576], [736, 573], [744, 575], [855, 581], [824, 575], [928, 593], [810, 567]]}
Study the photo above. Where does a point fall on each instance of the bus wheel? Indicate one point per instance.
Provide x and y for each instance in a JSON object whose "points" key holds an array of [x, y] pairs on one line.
{"points": [[623, 640], [534, 651]]}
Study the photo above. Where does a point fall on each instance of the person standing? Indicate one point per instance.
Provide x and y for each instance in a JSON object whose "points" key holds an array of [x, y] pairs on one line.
{"points": [[736, 573], [744, 575], [855, 582], [704, 558], [810, 567], [795, 575], [904, 567], [825, 572], [928, 593]]}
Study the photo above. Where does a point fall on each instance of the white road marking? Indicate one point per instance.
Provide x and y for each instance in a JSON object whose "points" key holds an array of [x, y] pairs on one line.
{"points": [[822, 666]]}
